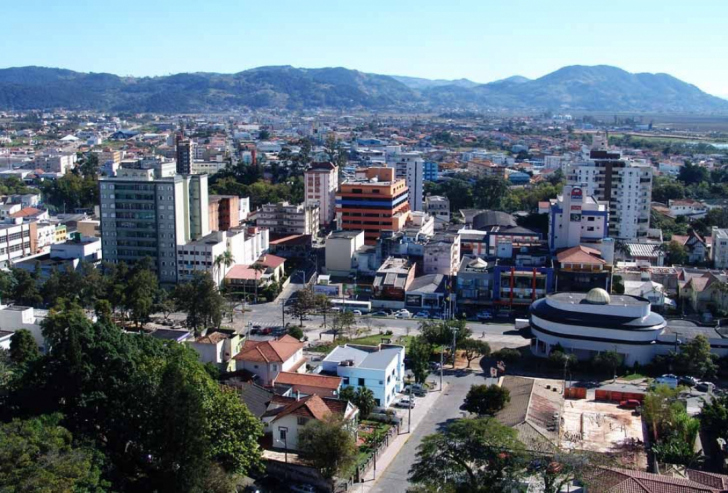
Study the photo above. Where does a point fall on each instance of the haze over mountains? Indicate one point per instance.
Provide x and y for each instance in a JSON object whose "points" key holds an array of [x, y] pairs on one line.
{"points": [[573, 88]]}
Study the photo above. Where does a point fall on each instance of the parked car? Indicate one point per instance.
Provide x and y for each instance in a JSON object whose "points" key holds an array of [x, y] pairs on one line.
{"points": [[266, 331], [630, 404], [705, 386], [416, 390], [406, 403], [689, 381], [356, 312], [380, 313], [434, 366], [484, 315], [421, 315], [303, 488], [403, 314]]}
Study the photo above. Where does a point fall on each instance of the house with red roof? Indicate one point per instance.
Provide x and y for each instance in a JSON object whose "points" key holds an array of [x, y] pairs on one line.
{"points": [[581, 268], [307, 384], [706, 292], [267, 359]]}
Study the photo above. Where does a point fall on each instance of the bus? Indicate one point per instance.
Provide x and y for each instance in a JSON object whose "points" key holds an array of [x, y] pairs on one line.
{"points": [[351, 305]]}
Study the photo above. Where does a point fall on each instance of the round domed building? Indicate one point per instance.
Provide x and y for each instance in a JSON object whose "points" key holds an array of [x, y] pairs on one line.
{"points": [[586, 324]]}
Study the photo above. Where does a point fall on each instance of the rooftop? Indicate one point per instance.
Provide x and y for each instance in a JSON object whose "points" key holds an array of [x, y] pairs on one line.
{"points": [[279, 350], [615, 299], [370, 357]]}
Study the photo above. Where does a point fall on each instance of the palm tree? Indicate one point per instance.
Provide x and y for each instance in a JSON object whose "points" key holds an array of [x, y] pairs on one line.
{"points": [[257, 267]]}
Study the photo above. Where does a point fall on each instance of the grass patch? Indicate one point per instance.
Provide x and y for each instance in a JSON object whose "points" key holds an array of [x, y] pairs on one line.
{"points": [[633, 376], [369, 340]]}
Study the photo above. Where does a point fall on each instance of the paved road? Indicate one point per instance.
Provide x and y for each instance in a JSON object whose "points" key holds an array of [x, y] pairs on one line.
{"points": [[394, 478]]}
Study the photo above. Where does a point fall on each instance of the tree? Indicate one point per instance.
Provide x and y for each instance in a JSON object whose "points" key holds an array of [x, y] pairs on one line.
{"points": [[419, 352], [362, 397], [474, 455], [609, 360], [201, 301], [486, 399], [258, 268], [714, 416], [691, 174], [658, 407], [227, 259], [473, 348], [677, 253], [38, 455], [559, 468], [328, 446], [440, 333], [666, 189], [323, 304], [25, 290], [304, 304], [343, 323], [141, 293], [23, 348], [696, 359], [489, 192]]}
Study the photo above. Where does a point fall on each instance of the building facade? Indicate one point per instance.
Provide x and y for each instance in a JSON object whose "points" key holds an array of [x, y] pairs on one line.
{"points": [[575, 218], [321, 181], [285, 218], [184, 155], [374, 201], [410, 166]]}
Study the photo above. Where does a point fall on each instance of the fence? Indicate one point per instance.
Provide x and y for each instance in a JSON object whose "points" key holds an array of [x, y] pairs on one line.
{"points": [[364, 469], [575, 393]]}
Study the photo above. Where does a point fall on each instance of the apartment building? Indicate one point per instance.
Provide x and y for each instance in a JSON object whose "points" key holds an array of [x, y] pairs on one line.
{"points": [[15, 242], [110, 158], [148, 211], [575, 218], [55, 163], [411, 167], [373, 201], [224, 212], [285, 218], [624, 184], [442, 254], [438, 207], [321, 181], [184, 155]]}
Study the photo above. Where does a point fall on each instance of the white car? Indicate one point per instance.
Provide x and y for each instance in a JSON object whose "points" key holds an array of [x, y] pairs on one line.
{"points": [[403, 315], [406, 403], [669, 380], [356, 312]]}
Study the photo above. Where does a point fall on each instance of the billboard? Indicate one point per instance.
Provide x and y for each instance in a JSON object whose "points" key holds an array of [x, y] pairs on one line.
{"points": [[576, 194]]}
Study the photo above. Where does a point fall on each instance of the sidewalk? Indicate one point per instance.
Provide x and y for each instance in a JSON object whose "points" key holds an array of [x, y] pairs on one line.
{"points": [[418, 414]]}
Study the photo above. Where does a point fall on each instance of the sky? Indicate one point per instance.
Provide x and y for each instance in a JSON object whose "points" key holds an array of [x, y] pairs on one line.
{"points": [[482, 40]]}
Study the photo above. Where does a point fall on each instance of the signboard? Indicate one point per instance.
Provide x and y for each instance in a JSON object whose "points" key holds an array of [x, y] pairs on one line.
{"points": [[575, 217], [413, 300], [576, 194]]}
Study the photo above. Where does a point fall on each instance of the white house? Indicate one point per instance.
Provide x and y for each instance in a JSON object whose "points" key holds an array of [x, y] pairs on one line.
{"points": [[378, 368], [217, 348], [267, 359]]}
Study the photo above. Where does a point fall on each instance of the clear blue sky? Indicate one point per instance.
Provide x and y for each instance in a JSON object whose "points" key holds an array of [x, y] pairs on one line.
{"points": [[482, 40]]}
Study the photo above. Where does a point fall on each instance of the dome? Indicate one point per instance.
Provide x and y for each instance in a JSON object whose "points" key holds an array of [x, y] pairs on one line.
{"points": [[598, 296], [478, 263]]}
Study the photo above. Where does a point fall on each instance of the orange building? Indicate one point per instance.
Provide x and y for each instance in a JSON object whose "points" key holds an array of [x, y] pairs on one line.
{"points": [[374, 201]]}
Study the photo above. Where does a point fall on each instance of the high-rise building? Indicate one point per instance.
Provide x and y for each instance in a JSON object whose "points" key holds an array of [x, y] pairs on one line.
{"points": [[184, 155], [148, 210], [321, 181], [224, 212], [411, 167], [374, 201], [575, 218], [626, 185]]}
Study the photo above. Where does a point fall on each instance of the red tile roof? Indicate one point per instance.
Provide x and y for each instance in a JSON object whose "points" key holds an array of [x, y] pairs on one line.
{"points": [[269, 351], [243, 272], [26, 212], [613, 480], [308, 380], [312, 406], [580, 255], [271, 261]]}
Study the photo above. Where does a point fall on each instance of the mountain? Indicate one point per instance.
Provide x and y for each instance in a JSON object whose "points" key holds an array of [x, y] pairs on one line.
{"points": [[575, 88], [418, 83]]}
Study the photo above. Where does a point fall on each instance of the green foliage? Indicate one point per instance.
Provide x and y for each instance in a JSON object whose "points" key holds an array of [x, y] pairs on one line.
{"points": [[361, 397], [419, 353], [617, 285], [696, 359], [560, 359], [38, 455], [714, 416], [13, 185], [304, 303], [677, 253], [474, 455], [665, 189], [201, 301], [25, 288], [343, 323], [71, 191], [296, 332], [440, 333], [507, 355], [23, 348], [691, 174], [328, 446], [474, 348], [608, 360], [489, 192], [486, 399]]}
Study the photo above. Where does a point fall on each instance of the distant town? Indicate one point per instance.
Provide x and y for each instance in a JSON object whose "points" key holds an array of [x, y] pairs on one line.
{"points": [[313, 300]]}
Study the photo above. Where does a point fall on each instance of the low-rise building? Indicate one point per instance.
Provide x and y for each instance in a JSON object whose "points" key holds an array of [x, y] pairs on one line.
{"points": [[393, 279], [442, 254], [580, 268], [690, 208], [267, 359], [285, 218], [438, 207], [341, 247], [378, 368], [719, 248], [217, 348]]}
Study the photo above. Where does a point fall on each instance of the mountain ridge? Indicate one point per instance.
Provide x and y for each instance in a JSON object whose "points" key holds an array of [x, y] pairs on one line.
{"points": [[571, 88]]}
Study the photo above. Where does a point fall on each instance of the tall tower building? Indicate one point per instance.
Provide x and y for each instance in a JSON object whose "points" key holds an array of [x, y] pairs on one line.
{"points": [[321, 181], [184, 154], [147, 210], [374, 201], [411, 167], [625, 184]]}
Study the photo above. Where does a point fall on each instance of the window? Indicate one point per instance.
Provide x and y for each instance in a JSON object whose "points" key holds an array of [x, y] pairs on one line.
{"points": [[301, 421], [381, 382], [283, 433], [275, 367], [345, 380], [361, 382]]}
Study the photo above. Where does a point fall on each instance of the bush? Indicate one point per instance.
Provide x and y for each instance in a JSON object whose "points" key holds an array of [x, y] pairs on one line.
{"points": [[295, 331], [507, 355], [486, 399]]}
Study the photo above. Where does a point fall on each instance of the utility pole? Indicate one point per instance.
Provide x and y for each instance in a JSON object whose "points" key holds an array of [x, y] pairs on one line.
{"points": [[409, 412], [442, 364], [454, 345]]}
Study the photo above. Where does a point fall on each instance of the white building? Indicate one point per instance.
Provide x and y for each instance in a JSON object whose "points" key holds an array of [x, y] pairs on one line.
{"points": [[321, 182], [378, 368], [442, 255], [14, 318], [552, 162], [15, 242], [87, 249], [624, 184], [719, 249], [411, 167], [439, 208], [285, 218], [267, 359], [575, 218], [690, 208], [206, 167], [341, 247]]}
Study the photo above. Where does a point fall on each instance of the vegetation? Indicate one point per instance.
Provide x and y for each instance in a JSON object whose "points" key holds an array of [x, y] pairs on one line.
{"points": [[201, 301], [361, 397], [473, 348], [149, 407], [674, 431], [486, 399], [419, 353], [694, 358], [328, 446]]}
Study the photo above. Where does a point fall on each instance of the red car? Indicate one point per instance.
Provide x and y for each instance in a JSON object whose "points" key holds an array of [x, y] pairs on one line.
{"points": [[630, 404]]}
